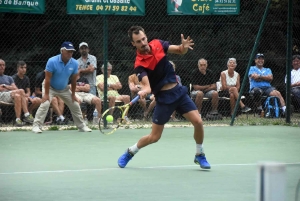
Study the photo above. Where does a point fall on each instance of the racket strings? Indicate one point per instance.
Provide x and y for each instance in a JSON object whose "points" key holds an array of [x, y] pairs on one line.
{"points": [[106, 126]]}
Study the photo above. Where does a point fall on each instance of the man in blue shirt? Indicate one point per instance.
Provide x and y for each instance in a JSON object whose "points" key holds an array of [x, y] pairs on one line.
{"points": [[58, 71], [260, 79]]}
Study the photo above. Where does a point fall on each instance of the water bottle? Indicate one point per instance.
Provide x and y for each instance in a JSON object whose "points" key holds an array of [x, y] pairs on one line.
{"points": [[95, 117]]}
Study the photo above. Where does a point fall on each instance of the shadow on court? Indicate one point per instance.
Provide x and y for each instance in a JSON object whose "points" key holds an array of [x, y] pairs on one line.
{"points": [[68, 165]]}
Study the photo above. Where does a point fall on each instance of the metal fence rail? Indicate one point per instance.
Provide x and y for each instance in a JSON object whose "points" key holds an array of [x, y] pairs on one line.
{"points": [[35, 38]]}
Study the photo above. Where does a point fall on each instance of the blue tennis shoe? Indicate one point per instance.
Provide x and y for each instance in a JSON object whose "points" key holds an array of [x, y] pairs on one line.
{"points": [[124, 159], [201, 160]]}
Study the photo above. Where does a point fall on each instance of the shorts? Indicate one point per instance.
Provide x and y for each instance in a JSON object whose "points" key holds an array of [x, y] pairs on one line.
{"points": [[264, 90], [206, 95], [6, 97], [224, 93], [85, 97], [169, 101]]}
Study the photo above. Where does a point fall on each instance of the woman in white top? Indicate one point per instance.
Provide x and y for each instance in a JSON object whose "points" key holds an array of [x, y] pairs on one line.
{"points": [[230, 85]]}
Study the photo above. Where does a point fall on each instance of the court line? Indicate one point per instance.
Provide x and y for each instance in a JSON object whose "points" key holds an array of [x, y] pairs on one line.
{"points": [[151, 167]]}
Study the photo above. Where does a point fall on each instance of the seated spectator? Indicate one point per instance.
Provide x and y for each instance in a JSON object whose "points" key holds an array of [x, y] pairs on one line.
{"points": [[260, 79], [87, 66], [113, 85], [134, 86], [83, 93], [295, 78], [57, 104], [230, 85], [23, 82], [10, 93], [204, 85]]}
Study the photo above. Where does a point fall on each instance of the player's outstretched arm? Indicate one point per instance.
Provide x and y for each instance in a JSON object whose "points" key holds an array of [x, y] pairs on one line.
{"points": [[183, 48]]}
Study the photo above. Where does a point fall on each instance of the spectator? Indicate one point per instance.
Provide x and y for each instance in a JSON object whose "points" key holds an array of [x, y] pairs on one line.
{"points": [[230, 85], [83, 93], [57, 73], [57, 104], [295, 78], [204, 85], [23, 82], [113, 85], [173, 116], [260, 79], [87, 66], [11, 94], [134, 86]]}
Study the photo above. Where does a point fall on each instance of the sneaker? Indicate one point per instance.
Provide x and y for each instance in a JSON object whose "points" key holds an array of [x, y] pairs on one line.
{"points": [[48, 123], [29, 119], [36, 129], [124, 159], [19, 123], [201, 160], [246, 109], [84, 129], [62, 122], [126, 120]]}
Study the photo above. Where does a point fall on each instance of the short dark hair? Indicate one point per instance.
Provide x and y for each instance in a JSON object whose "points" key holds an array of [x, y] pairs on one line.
{"points": [[20, 63], [134, 30], [297, 56]]}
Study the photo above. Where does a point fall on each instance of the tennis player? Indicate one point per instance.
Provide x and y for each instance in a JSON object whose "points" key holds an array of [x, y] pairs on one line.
{"points": [[57, 73], [157, 76]]}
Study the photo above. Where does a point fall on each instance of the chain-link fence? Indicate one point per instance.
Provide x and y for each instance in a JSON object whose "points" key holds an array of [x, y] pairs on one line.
{"points": [[35, 38]]}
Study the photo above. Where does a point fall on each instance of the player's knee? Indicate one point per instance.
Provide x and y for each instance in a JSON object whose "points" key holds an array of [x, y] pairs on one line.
{"points": [[154, 138]]}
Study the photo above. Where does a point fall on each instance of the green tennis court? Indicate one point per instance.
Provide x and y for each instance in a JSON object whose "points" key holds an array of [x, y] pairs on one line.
{"points": [[68, 165]]}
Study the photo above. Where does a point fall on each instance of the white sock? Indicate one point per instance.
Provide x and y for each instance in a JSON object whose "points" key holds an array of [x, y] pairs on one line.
{"points": [[26, 114], [283, 108], [57, 118], [199, 149], [18, 119], [61, 117], [134, 149]]}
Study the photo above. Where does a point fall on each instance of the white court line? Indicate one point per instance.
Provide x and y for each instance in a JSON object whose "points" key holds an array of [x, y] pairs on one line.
{"points": [[153, 167]]}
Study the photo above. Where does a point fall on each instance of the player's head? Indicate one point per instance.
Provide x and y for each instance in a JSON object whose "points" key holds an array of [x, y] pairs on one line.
{"points": [[139, 39], [84, 49], [109, 68], [202, 64], [67, 50], [2, 66], [296, 61], [231, 63], [21, 67], [259, 60]]}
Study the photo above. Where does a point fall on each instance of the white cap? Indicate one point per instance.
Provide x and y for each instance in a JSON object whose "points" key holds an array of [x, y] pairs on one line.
{"points": [[83, 44]]}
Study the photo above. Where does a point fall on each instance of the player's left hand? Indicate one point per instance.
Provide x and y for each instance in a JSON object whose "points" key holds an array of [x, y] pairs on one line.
{"points": [[187, 43]]}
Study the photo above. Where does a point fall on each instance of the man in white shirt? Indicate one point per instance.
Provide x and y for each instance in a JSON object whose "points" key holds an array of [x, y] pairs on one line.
{"points": [[87, 66], [295, 78]]}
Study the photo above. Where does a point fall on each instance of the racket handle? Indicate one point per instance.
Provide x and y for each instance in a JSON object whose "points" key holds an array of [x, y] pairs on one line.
{"points": [[135, 100]]}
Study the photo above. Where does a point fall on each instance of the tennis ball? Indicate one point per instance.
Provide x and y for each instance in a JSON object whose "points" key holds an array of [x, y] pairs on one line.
{"points": [[109, 118]]}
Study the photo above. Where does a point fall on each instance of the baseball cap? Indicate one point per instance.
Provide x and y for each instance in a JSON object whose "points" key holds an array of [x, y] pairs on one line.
{"points": [[259, 55], [67, 46], [83, 44]]}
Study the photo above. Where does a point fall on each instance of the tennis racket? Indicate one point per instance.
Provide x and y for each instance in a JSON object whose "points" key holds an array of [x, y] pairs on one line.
{"points": [[108, 125]]}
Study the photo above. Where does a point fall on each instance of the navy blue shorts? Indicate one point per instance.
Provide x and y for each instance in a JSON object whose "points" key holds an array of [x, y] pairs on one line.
{"points": [[169, 101]]}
